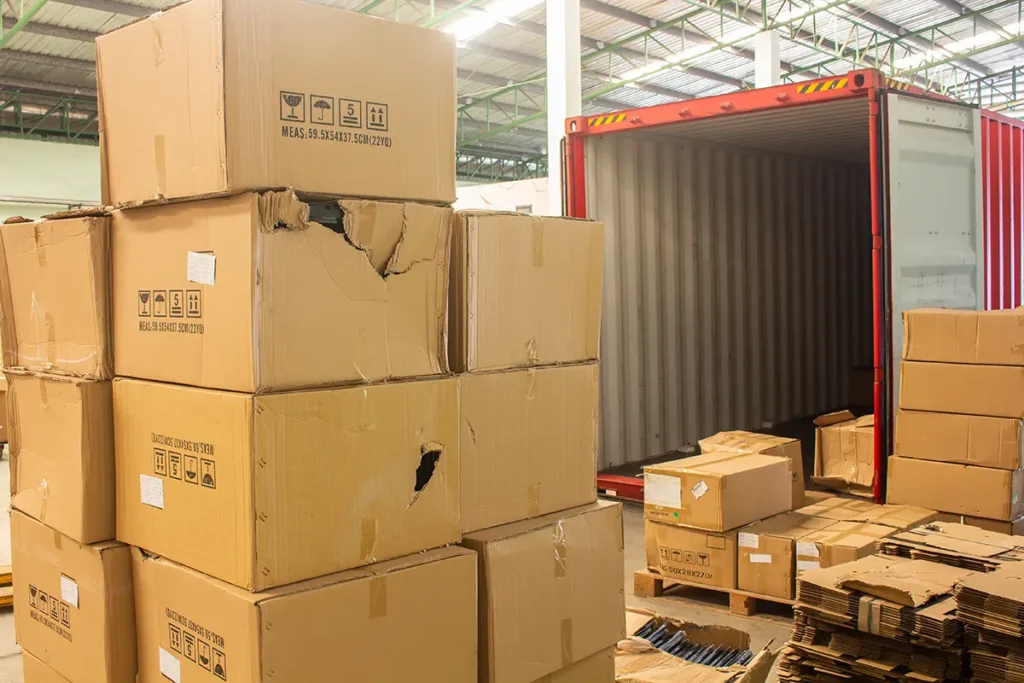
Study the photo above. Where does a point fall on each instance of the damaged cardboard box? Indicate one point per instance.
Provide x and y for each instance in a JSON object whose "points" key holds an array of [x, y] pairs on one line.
{"points": [[963, 439], [73, 604], [718, 491], [263, 292], [551, 591], [525, 290], [941, 335], [691, 555], [62, 453], [839, 543], [528, 443], [260, 491], [54, 295], [992, 390], [844, 452], [1014, 528], [233, 96], [768, 444], [766, 559], [408, 619], [961, 489]]}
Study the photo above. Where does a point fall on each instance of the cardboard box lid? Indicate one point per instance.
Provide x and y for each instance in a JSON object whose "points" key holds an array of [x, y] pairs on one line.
{"points": [[842, 509], [848, 535], [744, 442], [958, 336], [718, 464], [789, 525]]}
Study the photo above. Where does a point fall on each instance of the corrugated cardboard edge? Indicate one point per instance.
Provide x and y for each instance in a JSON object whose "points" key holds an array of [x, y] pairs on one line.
{"points": [[8, 331]]}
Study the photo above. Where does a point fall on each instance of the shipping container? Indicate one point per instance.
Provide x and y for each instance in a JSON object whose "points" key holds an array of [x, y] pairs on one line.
{"points": [[762, 245]]}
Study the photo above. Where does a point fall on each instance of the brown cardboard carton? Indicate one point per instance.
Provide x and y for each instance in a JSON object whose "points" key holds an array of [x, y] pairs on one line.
{"points": [[844, 452], [993, 390], [1014, 528], [963, 439], [34, 671], [598, 668], [752, 442], [551, 591], [954, 336], [238, 96], [62, 454], [528, 443], [961, 489], [717, 491], [73, 605], [847, 510], [54, 296], [408, 619], [525, 290], [260, 491], [691, 555], [839, 543], [766, 556], [262, 292]]}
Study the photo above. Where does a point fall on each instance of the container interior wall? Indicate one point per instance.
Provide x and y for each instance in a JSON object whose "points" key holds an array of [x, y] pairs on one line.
{"points": [[737, 288]]}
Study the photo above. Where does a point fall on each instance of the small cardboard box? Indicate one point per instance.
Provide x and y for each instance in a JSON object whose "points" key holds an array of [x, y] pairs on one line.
{"points": [[942, 335], [263, 292], [73, 604], [54, 295], [239, 95], [839, 543], [844, 452], [599, 668], [528, 443], [752, 442], [992, 390], [718, 491], [62, 453], [265, 490], [408, 619], [525, 290], [961, 489], [963, 439], [766, 561], [691, 555], [1014, 528], [551, 591]]}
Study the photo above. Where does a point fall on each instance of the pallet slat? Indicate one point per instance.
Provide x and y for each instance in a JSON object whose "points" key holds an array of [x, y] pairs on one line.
{"points": [[647, 584]]}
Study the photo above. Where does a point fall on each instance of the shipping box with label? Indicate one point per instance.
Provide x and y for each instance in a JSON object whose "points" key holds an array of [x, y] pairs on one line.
{"points": [[839, 543], [54, 295], [551, 591], [718, 491], [525, 290], [973, 337], [766, 559], [752, 442], [990, 390], [266, 490], [410, 619], [73, 605], [844, 452], [1014, 528], [691, 555], [960, 489], [962, 439], [62, 453], [528, 443], [262, 292], [249, 94]]}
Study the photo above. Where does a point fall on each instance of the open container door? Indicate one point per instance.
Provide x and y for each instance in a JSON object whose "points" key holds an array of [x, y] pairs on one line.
{"points": [[935, 226]]}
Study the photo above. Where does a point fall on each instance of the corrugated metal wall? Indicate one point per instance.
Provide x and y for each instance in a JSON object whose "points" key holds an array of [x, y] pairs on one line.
{"points": [[1003, 186], [737, 288]]}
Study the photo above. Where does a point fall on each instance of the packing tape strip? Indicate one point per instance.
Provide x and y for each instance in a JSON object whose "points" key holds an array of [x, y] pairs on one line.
{"points": [[561, 550], [378, 597], [160, 161], [537, 242], [567, 658], [869, 615], [368, 540], [533, 499], [51, 339], [40, 252]]}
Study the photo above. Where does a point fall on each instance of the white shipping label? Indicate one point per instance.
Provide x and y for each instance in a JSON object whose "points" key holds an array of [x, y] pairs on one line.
{"points": [[663, 490], [170, 666], [69, 590], [756, 558], [699, 490], [152, 491], [202, 267], [807, 549], [805, 565], [749, 540]]}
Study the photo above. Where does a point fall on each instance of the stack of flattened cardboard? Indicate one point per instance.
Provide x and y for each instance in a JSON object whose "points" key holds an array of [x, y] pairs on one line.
{"points": [[992, 608], [958, 545], [959, 445]]}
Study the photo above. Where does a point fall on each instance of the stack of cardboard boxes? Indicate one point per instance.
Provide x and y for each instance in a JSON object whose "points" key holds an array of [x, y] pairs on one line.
{"points": [[959, 442]]}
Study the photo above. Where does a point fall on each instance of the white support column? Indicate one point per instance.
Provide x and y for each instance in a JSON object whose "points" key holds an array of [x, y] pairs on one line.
{"points": [[563, 86], [767, 59]]}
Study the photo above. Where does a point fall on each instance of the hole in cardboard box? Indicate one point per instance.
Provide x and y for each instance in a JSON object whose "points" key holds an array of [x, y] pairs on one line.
{"points": [[428, 463]]}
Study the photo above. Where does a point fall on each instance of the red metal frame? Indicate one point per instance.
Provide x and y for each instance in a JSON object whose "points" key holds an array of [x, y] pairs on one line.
{"points": [[619, 486], [877, 273]]}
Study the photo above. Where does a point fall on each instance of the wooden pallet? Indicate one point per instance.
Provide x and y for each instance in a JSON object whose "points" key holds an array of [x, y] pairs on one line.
{"points": [[6, 587], [647, 584]]}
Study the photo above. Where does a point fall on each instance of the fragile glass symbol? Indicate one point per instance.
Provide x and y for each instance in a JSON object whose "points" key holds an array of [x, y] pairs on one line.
{"points": [[292, 101], [144, 297]]}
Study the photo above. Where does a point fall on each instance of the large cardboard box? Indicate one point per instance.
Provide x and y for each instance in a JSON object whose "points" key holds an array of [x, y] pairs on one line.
{"points": [[718, 491], [262, 292], [839, 543], [240, 94], [766, 559], [844, 452], [963, 439], [691, 555], [410, 619], [992, 390], [752, 442], [955, 336], [961, 489], [1014, 528], [266, 490], [73, 604], [551, 591], [599, 668], [62, 453], [525, 290], [54, 295], [528, 443]]}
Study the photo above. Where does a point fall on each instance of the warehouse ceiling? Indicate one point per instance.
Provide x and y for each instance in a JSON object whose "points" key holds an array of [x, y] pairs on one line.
{"points": [[635, 53]]}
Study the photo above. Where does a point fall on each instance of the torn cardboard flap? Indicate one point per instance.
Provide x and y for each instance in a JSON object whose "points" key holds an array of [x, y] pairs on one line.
{"points": [[844, 451], [913, 584]]}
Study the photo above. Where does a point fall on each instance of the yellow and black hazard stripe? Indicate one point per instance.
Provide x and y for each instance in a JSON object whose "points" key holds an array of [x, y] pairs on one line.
{"points": [[893, 84], [605, 120], [822, 86]]}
